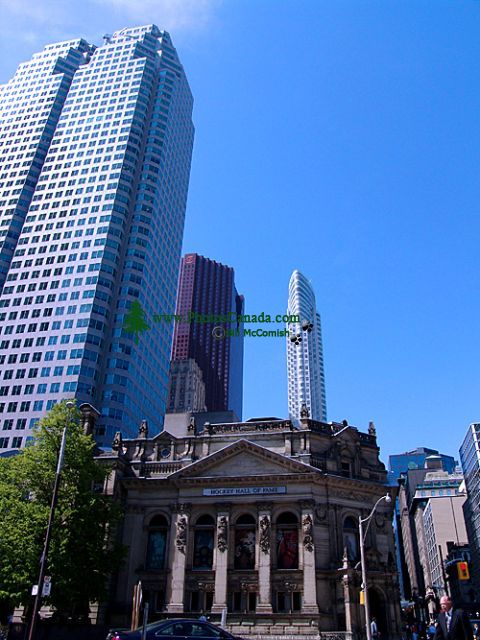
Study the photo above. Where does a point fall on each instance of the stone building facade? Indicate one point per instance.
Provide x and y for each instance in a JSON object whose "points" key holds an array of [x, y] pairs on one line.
{"points": [[259, 518]]}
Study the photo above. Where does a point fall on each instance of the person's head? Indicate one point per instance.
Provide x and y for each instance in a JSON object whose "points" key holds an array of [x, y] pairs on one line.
{"points": [[445, 603]]}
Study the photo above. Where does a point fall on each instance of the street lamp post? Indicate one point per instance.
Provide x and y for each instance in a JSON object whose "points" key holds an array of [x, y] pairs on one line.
{"points": [[48, 534], [362, 536]]}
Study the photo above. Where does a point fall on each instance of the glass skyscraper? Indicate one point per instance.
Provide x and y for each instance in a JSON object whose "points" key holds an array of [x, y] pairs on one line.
{"points": [[470, 461], [306, 378], [95, 151], [207, 288]]}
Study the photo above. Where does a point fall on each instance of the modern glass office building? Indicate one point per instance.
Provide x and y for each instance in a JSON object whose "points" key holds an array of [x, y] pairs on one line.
{"points": [[470, 461], [306, 378], [400, 463], [95, 151]]}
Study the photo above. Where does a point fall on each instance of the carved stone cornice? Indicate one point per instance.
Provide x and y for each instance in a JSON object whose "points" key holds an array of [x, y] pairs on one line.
{"points": [[250, 481], [200, 583], [249, 427]]}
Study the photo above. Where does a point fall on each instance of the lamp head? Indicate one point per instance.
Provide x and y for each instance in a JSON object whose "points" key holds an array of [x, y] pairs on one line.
{"points": [[70, 404], [388, 498]]}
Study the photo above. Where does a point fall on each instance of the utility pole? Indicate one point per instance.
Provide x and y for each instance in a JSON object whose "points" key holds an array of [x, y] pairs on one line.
{"points": [[48, 534], [444, 574], [362, 536]]}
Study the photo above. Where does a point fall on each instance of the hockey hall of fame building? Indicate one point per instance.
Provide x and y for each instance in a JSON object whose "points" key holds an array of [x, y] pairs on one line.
{"points": [[259, 518]]}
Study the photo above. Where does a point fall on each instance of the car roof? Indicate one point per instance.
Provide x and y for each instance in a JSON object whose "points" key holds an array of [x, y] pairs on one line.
{"points": [[185, 620]]}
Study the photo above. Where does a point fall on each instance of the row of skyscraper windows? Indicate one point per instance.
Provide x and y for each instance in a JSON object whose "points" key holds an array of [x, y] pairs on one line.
{"points": [[16, 442]]}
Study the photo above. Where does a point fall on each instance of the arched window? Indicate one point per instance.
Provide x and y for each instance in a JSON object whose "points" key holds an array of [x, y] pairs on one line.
{"points": [[287, 541], [350, 538], [157, 543], [245, 542], [203, 543]]}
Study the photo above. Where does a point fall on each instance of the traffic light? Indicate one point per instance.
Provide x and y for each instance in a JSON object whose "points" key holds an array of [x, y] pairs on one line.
{"points": [[463, 572]]}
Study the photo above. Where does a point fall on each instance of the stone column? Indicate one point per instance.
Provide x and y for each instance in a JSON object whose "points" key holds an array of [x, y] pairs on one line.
{"points": [[309, 601], [178, 558], [264, 604], [221, 558]]}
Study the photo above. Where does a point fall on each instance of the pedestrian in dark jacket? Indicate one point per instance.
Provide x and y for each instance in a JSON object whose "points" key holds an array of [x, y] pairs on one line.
{"points": [[452, 624]]}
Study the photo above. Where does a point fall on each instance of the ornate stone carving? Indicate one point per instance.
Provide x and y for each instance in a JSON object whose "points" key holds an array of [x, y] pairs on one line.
{"points": [[380, 521], [222, 534], [265, 534], [117, 442], [321, 513], [143, 430], [307, 525], [181, 539], [191, 424], [304, 412], [209, 428], [371, 429], [182, 508], [200, 584], [264, 506], [306, 504], [248, 427]]}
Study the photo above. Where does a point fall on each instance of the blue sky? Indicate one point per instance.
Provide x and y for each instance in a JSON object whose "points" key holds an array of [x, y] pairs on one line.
{"points": [[339, 137]]}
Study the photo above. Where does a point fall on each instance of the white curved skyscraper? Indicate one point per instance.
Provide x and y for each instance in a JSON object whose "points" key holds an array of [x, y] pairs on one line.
{"points": [[306, 380]]}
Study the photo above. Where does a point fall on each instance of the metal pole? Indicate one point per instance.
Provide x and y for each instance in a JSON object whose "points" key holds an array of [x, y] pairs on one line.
{"points": [[145, 621], [444, 573], [364, 580], [48, 535], [361, 520]]}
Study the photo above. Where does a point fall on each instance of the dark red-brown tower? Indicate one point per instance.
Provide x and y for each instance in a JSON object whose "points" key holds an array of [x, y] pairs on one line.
{"points": [[207, 288]]}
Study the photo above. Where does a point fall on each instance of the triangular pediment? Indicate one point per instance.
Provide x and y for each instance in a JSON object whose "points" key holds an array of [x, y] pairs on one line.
{"points": [[243, 459], [164, 436]]}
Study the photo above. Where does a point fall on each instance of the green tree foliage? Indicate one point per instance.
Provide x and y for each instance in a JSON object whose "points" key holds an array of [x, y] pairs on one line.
{"points": [[135, 321], [80, 559]]}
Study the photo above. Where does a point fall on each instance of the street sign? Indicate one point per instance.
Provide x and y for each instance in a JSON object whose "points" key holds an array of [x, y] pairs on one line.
{"points": [[47, 578], [47, 587], [34, 589]]}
